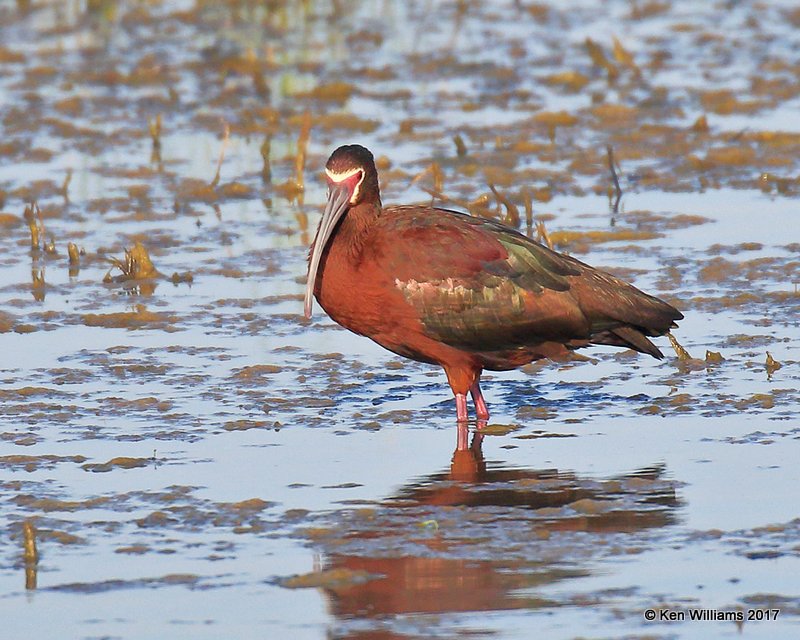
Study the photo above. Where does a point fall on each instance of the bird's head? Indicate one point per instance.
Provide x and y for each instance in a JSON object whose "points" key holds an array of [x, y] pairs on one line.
{"points": [[346, 171], [352, 180]]}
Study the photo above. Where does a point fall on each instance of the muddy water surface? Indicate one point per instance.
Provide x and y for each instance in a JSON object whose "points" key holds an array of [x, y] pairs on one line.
{"points": [[193, 459]]}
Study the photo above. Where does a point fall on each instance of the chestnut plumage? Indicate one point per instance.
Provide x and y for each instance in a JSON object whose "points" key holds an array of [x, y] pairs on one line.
{"points": [[464, 293]]}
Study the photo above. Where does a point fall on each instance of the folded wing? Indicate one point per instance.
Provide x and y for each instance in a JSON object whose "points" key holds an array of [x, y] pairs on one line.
{"points": [[500, 290]]}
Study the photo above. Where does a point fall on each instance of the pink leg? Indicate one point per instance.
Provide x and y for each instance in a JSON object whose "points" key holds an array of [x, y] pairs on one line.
{"points": [[481, 410], [461, 407]]}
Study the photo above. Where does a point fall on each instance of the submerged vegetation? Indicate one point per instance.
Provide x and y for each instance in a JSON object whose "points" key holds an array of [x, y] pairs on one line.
{"points": [[136, 266]]}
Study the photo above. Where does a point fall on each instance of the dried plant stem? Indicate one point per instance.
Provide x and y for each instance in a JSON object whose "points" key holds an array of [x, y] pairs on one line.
{"points": [[226, 134], [33, 216], [74, 254], [266, 147], [512, 212], [65, 185], [682, 353], [614, 178], [154, 126], [31, 554], [528, 200], [436, 173], [302, 145], [542, 235]]}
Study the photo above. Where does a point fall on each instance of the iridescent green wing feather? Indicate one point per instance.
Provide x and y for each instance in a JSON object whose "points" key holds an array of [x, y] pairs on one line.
{"points": [[476, 284]]}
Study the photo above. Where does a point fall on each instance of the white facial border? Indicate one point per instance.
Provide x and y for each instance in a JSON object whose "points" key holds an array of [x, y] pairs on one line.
{"points": [[340, 177]]}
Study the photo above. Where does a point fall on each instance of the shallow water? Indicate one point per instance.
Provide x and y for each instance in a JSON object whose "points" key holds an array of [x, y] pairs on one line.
{"points": [[200, 461]]}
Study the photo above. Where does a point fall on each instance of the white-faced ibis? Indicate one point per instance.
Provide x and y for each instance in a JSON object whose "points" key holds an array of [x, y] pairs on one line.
{"points": [[465, 293]]}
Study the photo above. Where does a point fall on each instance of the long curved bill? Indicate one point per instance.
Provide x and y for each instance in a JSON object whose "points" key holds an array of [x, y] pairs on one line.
{"points": [[337, 205]]}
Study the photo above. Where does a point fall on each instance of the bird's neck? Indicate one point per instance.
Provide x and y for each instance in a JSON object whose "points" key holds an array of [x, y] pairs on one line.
{"points": [[355, 227]]}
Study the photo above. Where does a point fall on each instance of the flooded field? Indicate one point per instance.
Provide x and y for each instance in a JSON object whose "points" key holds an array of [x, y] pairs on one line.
{"points": [[183, 455]]}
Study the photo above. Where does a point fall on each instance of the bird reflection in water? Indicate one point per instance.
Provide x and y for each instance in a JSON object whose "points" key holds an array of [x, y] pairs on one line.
{"points": [[480, 537]]}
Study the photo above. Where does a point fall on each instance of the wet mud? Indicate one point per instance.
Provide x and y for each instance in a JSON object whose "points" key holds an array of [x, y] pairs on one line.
{"points": [[182, 454]]}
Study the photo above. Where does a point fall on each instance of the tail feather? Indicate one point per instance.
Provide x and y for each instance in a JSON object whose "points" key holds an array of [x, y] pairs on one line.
{"points": [[618, 311], [627, 337]]}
